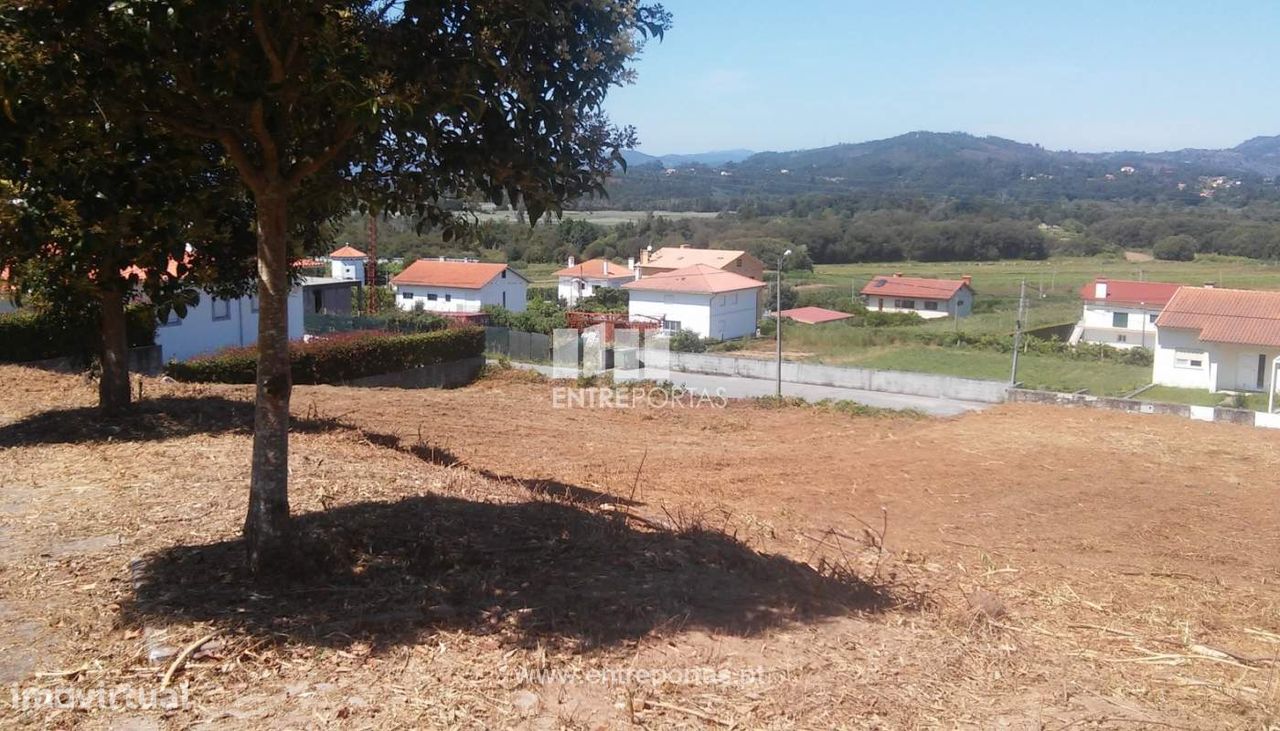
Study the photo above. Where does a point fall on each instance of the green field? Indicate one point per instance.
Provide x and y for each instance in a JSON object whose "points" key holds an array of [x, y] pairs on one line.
{"points": [[1200, 397]]}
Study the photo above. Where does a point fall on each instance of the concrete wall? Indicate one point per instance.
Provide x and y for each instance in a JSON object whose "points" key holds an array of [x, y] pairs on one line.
{"points": [[199, 333], [1196, 413], [443, 375], [510, 292], [917, 384]]}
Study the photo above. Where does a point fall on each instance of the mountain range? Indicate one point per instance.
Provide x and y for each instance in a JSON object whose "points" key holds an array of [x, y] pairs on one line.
{"points": [[715, 157]]}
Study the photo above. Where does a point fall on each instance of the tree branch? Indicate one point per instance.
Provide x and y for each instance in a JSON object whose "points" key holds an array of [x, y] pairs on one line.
{"points": [[270, 153], [252, 177], [303, 170], [264, 40]]}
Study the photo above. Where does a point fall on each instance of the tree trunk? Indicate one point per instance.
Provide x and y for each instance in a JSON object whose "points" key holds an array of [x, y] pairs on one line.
{"points": [[113, 354], [266, 527]]}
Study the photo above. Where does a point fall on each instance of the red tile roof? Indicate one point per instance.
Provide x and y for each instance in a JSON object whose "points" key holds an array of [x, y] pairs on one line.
{"points": [[348, 252], [1235, 316], [914, 287], [679, 257], [696, 279], [595, 269], [814, 315], [458, 274], [1129, 292]]}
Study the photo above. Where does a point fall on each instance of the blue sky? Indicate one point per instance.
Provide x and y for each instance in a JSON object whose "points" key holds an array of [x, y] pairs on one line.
{"points": [[1075, 74]]}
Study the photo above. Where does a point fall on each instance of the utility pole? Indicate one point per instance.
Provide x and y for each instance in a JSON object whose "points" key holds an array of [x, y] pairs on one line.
{"points": [[777, 317], [371, 269], [1017, 333]]}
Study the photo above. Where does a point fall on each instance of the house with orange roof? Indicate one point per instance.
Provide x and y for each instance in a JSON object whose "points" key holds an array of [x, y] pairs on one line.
{"points": [[670, 258], [1218, 339], [347, 263], [577, 281], [1120, 312], [703, 299], [453, 286], [928, 298]]}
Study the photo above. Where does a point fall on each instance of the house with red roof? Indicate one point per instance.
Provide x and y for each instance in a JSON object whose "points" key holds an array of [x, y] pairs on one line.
{"points": [[1218, 339], [577, 281], [453, 286], [1121, 312], [928, 298], [347, 263], [700, 298]]}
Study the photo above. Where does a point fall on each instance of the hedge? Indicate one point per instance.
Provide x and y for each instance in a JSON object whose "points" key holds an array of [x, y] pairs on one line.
{"points": [[28, 335], [340, 358]]}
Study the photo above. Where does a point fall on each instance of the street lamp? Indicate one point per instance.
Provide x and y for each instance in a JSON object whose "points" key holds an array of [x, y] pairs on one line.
{"points": [[777, 316]]}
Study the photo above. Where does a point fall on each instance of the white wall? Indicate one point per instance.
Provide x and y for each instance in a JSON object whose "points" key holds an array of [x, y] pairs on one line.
{"points": [[961, 303], [1166, 371], [722, 316], [1098, 319], [567, 287], [199, 334], [511, 292], [347, 269]]}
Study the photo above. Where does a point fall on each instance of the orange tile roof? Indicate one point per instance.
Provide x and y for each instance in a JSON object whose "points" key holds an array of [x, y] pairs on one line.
{"points": [[595, 269], [677, 257], [696, 279], [1234, 316], [814, 315], [1129, 292], [348, 252], [914, 287], [458, 274]]}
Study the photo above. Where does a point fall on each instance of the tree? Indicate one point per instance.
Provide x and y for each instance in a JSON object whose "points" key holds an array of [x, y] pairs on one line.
{"points": [[101, 212], [388, 105], [1176, 248]]}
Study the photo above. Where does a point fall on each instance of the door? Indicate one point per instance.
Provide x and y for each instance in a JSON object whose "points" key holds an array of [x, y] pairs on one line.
{"points": [[1251, 372]]}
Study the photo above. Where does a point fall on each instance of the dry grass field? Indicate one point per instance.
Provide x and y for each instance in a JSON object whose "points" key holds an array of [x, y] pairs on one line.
{"points": [[479, 559]]}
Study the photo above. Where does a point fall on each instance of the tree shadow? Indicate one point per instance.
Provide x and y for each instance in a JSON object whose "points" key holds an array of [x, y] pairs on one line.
{"points": [[152, 419], [532, 572]]}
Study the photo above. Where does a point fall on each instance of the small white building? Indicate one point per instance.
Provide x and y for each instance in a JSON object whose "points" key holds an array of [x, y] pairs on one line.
{"points": [[438, 285], [577, 281], [214, 324], [701, 299], [1121, 313], [1218, 339], [928, 298], [347, 263]]}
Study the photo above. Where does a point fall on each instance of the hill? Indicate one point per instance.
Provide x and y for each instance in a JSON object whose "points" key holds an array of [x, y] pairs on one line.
{"points": [[959, 164], [714, 157]]}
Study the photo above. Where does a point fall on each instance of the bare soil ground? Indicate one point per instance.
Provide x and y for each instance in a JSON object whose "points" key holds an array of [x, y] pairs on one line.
{"points": [[477, 558]]}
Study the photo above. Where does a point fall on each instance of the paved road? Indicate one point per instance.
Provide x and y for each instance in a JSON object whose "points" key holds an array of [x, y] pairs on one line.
{"points": [[740, 387]]}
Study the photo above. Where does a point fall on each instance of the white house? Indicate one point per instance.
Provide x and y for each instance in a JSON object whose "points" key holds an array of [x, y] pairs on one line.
{"points": [[671, 258], [702, 299], [1121, 313], [1218, 339], [459, 286], [215, 323], [928, 298], [347, 263], [582, 280]]}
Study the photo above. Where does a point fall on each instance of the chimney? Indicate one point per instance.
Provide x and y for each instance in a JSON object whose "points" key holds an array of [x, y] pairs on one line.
{"points": [[644, 255], [631, 263], [1210, 285], [897, 274], [605, 265], [637, 274], [1100, 288], [967, 279], [572, 260]]}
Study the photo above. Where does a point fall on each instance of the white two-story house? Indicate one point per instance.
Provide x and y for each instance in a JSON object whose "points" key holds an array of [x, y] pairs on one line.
{"points": [[1121, 313], [577, 281], [701, 299], [439, 285]]}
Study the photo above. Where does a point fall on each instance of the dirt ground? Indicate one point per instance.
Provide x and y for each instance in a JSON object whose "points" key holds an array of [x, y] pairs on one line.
{"points": [[478, 558]]}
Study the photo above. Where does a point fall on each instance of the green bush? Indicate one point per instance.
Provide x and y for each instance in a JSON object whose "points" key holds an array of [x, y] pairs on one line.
{"points": [[891, 319], [397, 320], [340, 358], [28, 335], [687, 341], [539, 316]]}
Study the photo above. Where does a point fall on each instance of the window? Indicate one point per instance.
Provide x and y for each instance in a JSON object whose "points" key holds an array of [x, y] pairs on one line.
{"points": [[448, 298], [1153, 317], [1122, 338], [734, 299], [671, 326], [1120, 320], [406, 295], [581, 285], [738, 263], [1187, 359], [222, 309], [931, 305], [905, 304], [432, 297], [959, 303]]}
